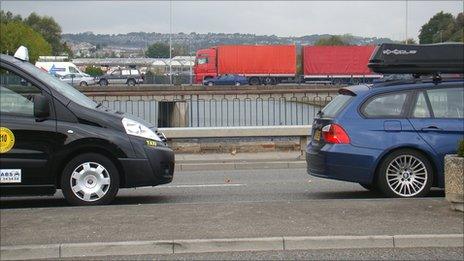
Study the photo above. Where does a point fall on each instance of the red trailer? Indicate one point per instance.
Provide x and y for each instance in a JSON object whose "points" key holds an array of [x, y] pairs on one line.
{"points": [[259, 63], [338, 64]]}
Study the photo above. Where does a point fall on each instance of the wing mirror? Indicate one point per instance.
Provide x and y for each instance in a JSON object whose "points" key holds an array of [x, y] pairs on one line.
{"points": [[41, 107]]}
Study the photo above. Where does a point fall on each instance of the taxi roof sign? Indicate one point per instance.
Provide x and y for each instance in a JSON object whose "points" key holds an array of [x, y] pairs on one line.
{"points": [[22, 53]]}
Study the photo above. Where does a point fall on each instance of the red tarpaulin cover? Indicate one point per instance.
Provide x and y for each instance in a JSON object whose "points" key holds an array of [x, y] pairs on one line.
{"points": [[337, 60], [257, 59]]}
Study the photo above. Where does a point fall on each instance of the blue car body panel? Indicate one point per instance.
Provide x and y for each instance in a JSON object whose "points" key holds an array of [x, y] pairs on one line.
{"points": [[230, 79], [373, 138]]}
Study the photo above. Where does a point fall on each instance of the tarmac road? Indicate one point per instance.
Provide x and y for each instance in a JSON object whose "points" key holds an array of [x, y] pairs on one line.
{"points": [[279, 185]]}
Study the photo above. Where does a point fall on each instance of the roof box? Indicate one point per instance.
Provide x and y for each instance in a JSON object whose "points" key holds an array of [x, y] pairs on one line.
{"points": [[418, 59]]}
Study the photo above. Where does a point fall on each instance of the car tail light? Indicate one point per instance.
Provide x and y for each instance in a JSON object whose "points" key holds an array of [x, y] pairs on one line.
{"points": [[334, 133]]}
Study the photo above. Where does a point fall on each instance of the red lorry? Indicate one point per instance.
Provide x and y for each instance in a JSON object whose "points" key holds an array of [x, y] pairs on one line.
{"points": [[338, 64], [272, 64]]}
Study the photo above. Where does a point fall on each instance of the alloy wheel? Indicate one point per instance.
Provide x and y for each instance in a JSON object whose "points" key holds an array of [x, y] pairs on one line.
{"points": [[406, 175]]}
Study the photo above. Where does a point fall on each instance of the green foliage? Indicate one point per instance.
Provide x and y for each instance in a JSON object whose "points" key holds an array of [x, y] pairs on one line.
{"points": [[409, 41], [158, 50], [461, 148], [15, 34], [49, 29], [94, 71], [442, 27], [332, 40]]}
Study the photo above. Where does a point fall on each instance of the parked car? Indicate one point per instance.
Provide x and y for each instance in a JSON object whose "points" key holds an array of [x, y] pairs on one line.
{"points": [[130, 77], [228, 79], [54, 137], [81, 79], [393, 136]]}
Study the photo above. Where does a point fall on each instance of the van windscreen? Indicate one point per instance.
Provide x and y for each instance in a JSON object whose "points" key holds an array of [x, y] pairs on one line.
{"points": [[63, 88]]}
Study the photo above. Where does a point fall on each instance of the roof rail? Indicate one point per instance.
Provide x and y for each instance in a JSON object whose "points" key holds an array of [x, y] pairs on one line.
{"points": [[425, 59]]}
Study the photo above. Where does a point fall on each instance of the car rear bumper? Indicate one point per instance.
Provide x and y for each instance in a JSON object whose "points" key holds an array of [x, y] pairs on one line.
{"points": [[342, 162]]}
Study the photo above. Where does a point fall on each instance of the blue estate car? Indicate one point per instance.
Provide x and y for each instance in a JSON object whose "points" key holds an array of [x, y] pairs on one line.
{"points": [[389, 136], [227, 79]]}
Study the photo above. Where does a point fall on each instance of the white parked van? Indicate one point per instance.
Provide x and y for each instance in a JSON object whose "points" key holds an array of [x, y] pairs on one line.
{"points": [[59, 68]]}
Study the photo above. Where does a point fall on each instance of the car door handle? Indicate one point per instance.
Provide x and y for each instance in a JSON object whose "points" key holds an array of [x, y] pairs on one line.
{"points": [[431, 128]]}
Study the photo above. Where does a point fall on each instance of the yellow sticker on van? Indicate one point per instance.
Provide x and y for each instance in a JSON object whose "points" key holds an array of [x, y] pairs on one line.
{"points": [[7, 140]]}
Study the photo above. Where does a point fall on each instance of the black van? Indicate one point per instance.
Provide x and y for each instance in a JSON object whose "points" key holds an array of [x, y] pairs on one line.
{"points": [[54, 137]]}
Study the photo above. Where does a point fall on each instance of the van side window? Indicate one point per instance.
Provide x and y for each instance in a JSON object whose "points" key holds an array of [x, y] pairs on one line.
{"points": [[447, 102], [386, 105], [421, 109], [16, 95], [73, 70]]}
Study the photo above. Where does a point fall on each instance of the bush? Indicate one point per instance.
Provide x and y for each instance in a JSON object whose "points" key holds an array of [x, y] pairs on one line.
{"points": [[93, 71], [461, 148]]}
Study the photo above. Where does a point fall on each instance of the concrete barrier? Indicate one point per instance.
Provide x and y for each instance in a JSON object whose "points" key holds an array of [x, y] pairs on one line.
{"points": [[301, 131]]}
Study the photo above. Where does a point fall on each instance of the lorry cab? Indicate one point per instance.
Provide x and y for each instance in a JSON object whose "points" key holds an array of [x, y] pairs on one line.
{"points": [[205, 65], [54, 137]]}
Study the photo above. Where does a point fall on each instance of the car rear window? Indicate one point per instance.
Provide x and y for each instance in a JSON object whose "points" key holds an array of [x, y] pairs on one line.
{"points": [[336, 105]]}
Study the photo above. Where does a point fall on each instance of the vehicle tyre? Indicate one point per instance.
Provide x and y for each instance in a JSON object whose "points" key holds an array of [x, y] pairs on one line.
{"points": [[405, 173], [254, 81], [370, 187], [83, 84], [237, 84], [210, 83], [131, 82], [103, 82], [269, 81], [90, 179]]}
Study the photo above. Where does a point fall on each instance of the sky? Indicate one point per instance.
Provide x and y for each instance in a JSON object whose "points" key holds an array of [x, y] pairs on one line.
{"points": [[281, 18]]}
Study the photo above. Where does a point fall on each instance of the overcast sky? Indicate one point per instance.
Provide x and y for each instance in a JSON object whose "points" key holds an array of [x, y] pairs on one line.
{"points": [[282, 18]]}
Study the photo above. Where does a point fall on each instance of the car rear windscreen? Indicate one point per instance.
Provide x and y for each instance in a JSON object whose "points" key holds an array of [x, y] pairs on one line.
{"points": [[335, 106]]}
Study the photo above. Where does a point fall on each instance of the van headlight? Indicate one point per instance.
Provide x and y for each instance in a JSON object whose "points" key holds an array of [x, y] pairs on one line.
{"points": [[137, 129]]}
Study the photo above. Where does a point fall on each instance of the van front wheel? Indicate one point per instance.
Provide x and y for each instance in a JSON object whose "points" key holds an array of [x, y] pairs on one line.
{"points": [[90, 179]]}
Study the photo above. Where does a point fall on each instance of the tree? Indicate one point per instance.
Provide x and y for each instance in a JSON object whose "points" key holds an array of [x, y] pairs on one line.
{"points": [[93, 71], [434, 30], [455, 32], [332, 40], [158, 50], [15, 34], [9, 17], [49, 29], [409, 41]]}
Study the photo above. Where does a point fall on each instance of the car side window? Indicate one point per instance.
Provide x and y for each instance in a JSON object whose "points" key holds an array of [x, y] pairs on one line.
{"points": [[116, 73], [447, 102], [421, 109], [16, 94], [385, 105]]}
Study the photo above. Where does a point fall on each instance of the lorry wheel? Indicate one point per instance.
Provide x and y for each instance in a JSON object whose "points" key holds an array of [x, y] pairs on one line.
{"points": [[131, 82], [103, 82], [254, 81], [405, 173], [83, 84], [90, 179]]}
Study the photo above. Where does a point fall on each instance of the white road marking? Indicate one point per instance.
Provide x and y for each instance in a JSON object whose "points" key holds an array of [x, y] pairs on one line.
{"points": [[203, 186]]}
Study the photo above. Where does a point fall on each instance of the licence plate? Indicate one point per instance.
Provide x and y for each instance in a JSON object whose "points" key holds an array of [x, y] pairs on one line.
{"points": [[317, 135]]}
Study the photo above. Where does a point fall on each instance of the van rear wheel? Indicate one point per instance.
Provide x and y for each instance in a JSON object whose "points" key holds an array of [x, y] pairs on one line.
{"points": [[90, 179], [405, 173]]}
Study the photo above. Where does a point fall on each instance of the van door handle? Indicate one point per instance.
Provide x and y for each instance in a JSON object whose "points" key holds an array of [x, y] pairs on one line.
{"points": [[431, 128]]}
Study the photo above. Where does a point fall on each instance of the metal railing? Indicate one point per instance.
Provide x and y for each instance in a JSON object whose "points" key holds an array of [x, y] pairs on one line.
{"points": [[219, 108]]}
